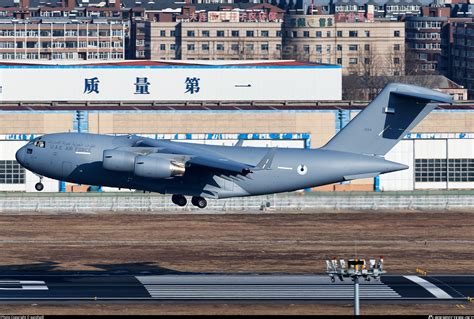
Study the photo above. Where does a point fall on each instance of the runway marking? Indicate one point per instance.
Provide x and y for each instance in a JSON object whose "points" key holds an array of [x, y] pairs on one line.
{"points": [[284, 167], [85, 153], [432, 288], [221, 287], [23, 285]]}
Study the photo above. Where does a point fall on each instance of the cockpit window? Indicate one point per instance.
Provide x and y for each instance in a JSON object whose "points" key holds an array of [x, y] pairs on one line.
{"points": [[40, 144]]}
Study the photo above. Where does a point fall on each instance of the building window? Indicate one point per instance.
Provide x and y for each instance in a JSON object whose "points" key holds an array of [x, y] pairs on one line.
{"points": [[278, 33], [162, 33], [190, 33], [264, 47], [328, 34], [205, 47], [264, 33], [173, 33], [352, 60], [11, 173], [353, 47], [396, 60], [220, 33], [278, 47], [367, 33], [172, 46], [295, 34], [396, 47], [396, 34], [306, 48], [436, 170], [220, 47], [319, 48], [461, 170], [205, 33], [430, 170], [162, 47], [353, 34], [190, 47], [339, 34], [249, 47], [318, 34], [366, 61], [339, 47], [249, 33], [306, 34], [235, 33], [366, 47], [234, 47], [339, 61]]}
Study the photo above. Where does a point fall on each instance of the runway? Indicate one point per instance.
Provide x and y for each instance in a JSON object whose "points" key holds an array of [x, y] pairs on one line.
{"points": [[211, 287]]}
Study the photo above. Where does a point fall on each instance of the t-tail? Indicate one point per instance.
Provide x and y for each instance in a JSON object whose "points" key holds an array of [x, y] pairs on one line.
{"points": [[387, 119]]}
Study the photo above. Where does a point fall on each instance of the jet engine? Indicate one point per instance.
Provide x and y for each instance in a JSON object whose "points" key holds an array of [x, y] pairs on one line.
{"points": [[119, 161], [157, 167]]}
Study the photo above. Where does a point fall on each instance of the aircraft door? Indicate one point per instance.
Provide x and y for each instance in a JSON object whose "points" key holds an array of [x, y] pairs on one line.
{"points": [[66, 169]]}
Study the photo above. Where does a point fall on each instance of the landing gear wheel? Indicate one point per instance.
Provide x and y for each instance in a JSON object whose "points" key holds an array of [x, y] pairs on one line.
{"points": [[199, 202], [179, 200], [39, 186]]}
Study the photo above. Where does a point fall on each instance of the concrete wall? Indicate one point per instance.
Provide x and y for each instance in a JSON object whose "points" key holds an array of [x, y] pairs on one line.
{"points": [[320, 125], [36, 123]]}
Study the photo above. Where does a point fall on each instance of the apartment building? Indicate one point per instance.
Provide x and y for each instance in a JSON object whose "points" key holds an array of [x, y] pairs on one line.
{"points": [[53, 39], [362, 48], [462, 67], [423, 40]]}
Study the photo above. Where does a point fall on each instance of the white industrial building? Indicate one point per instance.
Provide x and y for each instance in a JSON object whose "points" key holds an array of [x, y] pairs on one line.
{"points": [[435, 163]]}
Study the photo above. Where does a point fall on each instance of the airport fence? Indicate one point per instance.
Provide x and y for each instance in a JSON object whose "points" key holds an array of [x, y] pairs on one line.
{"points": [[138, 202]]}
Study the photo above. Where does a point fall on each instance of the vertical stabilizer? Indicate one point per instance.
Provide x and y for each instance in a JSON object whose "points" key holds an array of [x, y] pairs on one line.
{"points": [[387, 119]]}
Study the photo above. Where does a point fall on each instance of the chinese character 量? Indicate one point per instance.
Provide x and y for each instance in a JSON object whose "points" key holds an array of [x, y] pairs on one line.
{"points": [[192, 85], [91, 85]]}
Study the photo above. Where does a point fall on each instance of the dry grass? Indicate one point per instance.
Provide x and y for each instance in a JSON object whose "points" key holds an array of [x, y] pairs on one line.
{"points": [[290, 243], [237, 309]]}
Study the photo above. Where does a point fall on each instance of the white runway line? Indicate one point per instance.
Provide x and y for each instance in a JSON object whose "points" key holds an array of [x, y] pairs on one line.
{"points": [[258, 287], [432, 288], [23, 285]]}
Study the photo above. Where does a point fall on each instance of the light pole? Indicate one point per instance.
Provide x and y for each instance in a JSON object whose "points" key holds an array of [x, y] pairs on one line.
{"points": [[355, 269]]}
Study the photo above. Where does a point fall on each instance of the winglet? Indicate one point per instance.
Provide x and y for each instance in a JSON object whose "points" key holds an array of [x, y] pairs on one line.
{"points": [[267, 159]]}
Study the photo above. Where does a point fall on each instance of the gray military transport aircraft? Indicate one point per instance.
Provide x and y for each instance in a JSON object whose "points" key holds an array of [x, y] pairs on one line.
{"points": [[206, 171]]}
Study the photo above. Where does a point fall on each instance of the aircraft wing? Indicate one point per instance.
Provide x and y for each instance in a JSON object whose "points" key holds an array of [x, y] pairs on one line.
{"points": [[196, 155]]}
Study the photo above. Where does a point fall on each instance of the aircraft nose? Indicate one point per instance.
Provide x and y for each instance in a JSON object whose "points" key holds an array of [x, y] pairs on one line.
{"points": [[20, 155]]}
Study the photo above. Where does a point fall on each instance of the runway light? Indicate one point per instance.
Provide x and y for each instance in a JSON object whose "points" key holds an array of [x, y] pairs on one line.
{"points": [[356, 268]]}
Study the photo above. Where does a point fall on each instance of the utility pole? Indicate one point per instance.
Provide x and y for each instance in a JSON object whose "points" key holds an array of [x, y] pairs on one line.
{"points": [[355, 269]]}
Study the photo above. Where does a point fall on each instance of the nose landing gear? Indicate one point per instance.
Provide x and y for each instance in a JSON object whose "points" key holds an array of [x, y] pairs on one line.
{"points": [[39, 186]]}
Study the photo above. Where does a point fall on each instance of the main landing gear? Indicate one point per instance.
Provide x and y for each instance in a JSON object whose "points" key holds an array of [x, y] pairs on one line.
{"points": [[179, 200], [39, 186], [197, 201]]}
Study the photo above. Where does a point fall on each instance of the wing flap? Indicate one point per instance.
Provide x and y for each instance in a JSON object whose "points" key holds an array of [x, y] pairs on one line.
{"points": [[220, 163]]}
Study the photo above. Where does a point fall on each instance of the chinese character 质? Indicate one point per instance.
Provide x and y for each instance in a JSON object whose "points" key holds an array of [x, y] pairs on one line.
{"points": [[141, 86], [192, 85], [91, 85]]}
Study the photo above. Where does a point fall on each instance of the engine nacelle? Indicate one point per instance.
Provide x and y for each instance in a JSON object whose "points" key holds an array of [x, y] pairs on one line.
{"points": [[118, 161], [157, 167]]}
